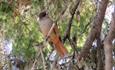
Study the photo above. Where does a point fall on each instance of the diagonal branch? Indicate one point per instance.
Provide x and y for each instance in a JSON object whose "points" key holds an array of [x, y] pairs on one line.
{"points": [[95, 29], [68, 29]]}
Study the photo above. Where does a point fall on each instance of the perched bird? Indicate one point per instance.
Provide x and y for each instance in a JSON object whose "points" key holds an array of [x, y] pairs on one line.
{"points": [[45, 24]]}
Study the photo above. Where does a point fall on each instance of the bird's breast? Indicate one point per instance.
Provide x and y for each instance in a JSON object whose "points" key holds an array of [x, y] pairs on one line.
{"points": [[45, 26]]}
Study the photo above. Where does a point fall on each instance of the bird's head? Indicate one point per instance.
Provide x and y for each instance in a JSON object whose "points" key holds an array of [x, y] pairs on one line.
{"points": [[42, 14]]}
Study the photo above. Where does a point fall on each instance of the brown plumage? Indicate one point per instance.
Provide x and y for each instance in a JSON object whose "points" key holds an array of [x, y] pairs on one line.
{"points": [[45, 24]]}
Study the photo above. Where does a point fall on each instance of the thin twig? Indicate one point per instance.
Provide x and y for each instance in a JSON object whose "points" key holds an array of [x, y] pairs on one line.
{"points": [[33, 64], [43, 59], [50, 31]]}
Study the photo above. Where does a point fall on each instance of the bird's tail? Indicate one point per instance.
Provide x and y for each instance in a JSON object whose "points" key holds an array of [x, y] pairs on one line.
{"points": [[59, 47]]}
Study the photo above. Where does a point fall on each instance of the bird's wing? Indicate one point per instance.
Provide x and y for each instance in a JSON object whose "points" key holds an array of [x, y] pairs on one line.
{"points": [[56, 31]]}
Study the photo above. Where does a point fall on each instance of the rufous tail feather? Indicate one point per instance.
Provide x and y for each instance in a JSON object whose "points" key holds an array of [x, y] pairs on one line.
{"points": [[59, 47]]}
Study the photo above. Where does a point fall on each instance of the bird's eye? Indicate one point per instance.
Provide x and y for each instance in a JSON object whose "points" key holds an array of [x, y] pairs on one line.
{"points": [[44, 14]]}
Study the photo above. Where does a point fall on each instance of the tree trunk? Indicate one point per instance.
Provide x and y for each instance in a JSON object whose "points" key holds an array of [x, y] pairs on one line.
{"points": [[99, 53]]}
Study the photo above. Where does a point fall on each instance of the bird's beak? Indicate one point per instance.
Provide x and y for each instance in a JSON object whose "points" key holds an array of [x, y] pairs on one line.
{"points": [[37, 17]]}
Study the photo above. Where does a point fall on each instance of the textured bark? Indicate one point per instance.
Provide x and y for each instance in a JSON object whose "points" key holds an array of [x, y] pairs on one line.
{"points": [[95, 29], [108, 44]]}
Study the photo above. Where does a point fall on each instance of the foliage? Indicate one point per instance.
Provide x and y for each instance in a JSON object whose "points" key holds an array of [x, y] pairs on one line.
{"points": [[20, 23]]}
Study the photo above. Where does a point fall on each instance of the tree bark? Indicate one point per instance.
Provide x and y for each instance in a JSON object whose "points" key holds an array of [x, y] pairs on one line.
{"points": [[108, 44], [95, 29], [100, 63]]}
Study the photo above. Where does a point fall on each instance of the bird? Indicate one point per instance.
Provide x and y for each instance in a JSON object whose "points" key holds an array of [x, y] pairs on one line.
{"points": [[45, 23]]}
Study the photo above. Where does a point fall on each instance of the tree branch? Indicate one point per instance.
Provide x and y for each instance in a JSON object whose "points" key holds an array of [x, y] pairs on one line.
{"points": [[108, 44], [68, 29], [95, 29]]}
